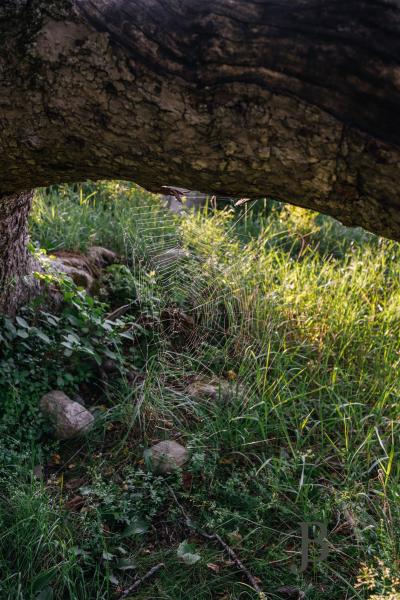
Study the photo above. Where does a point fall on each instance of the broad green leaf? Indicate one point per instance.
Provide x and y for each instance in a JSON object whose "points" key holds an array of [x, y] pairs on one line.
{"points": [[22, 323], [136, 527], [22, 333], [186, 552]]}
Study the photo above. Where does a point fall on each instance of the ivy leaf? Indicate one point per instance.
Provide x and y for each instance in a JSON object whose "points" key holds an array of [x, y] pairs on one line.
{"points": [[22, 333], [136, 527], [22, 323], [42, 336], [186, 552], [72, 339]]}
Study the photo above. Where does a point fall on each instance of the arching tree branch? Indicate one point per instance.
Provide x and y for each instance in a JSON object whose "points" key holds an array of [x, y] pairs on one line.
{"points": [[294, 99]]}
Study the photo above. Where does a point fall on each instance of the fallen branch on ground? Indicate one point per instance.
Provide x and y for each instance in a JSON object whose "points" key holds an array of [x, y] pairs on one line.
{"points": [[231, 553], [132, 588]]}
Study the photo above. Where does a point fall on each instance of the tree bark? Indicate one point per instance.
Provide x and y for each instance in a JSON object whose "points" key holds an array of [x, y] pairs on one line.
{"points": [[17, 284], [294, 99]]}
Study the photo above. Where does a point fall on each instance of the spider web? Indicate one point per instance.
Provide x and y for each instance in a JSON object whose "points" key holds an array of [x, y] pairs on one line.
{"points": [[197, 309]]}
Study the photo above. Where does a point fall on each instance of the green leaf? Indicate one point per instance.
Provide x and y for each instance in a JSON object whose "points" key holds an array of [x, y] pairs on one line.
{"points": [[22, 333], [9, 325], [73, 320], [85, 490], [112, 579], [42, 336], [51, 319], [186, 552], [126, 564], [136, 527], [22, 323], [73, 339]]}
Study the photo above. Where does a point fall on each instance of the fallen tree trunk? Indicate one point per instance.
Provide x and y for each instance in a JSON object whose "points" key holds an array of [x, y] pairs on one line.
{"points": [[294, 99]]}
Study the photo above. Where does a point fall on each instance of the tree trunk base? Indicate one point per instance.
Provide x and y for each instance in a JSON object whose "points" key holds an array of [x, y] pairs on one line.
{"points": [[17, 265]]}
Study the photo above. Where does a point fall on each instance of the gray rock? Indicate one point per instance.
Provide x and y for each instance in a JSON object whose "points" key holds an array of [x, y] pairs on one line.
{"points": [[78, 398], [75, 266], [75, 261], [80, 276], [189, 200], [101, 257], [166, 457], [83, 269], [68, 418]]}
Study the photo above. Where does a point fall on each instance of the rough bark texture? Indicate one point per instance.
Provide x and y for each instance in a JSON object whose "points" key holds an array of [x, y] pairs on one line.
{"points": [[297, 99], [17, 284]]}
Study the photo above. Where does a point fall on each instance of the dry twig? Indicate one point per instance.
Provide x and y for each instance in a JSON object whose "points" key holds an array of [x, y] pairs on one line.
{"points": [[231, 553], [132, 588]]}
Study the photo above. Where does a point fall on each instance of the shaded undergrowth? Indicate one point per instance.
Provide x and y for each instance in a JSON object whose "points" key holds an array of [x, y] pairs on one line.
{"points": [[295, 321]]}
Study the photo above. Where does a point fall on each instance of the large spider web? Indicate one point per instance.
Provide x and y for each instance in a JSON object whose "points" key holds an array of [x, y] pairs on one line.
{"points": [[198, 310]]}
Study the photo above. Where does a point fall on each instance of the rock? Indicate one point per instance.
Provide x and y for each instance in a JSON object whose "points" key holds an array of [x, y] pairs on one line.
{"points": [[189, 200], [79, 277], [173, 204], [101, 257], [166, 457], [76, 268], [68, 418], [84, 269], [78, 398], [74, 260]]}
